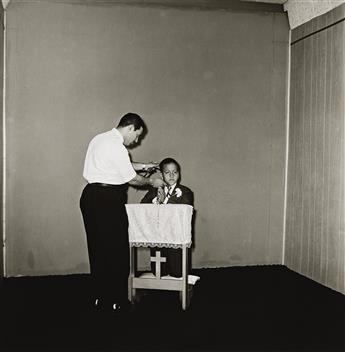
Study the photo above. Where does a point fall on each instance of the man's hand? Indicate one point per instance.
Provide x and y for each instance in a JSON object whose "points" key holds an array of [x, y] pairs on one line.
{"points": [[150, 166], [157, 182]]}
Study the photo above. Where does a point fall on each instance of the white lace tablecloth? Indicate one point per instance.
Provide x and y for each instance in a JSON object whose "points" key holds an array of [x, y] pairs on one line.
{"points": [[160, 225]]}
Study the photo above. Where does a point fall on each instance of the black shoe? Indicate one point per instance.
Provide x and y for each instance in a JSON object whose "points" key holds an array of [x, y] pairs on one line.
{"points": [[123, 307], [107, 308], [99, 306]]}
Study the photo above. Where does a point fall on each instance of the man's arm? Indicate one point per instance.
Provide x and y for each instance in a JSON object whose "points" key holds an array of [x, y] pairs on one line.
{"points": [[139, 180], [144, 166]]}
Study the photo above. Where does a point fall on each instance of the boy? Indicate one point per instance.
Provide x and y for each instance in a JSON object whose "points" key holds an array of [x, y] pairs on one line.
{"points": [[172, 193]]}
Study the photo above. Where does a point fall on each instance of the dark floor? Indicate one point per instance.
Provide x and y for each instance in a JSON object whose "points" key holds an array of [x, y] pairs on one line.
{"points": [[266, 308]]}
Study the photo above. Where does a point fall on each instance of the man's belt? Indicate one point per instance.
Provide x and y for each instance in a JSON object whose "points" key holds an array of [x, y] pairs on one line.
{"points": [[106, 185]]}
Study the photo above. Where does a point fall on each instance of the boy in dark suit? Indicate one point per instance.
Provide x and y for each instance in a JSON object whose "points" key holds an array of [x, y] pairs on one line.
{"points": [[172, 193]]}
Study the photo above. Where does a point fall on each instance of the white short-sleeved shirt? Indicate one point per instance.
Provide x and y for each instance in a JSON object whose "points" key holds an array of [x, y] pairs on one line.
{"points": [[107, 160]]}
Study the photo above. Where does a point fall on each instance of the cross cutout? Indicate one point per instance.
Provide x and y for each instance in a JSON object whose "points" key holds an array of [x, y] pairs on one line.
{"points": [[158, 259]]}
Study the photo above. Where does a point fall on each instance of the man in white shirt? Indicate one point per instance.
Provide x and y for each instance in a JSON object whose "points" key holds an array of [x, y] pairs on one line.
{"points": [[108, 171]]}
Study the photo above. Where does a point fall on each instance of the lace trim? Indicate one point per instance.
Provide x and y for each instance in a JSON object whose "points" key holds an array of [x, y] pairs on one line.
{"points": [[160, 245]]}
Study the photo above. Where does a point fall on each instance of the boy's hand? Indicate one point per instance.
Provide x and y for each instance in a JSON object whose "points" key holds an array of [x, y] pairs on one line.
{"points": [[160, 195]]}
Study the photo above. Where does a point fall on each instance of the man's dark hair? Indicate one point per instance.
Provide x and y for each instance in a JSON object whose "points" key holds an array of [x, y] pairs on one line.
{"points": [[167, 161], [132, 119]]}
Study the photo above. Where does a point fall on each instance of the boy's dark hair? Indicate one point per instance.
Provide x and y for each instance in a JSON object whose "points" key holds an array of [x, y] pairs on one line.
{"points": [[169, 161], [132, 119]]}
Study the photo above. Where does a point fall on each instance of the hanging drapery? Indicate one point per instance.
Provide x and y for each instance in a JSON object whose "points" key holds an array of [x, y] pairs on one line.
{"points": [[164, 225]]}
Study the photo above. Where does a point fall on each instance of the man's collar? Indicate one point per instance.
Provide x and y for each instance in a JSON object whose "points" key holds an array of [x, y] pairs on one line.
{"points": [[118, 134]]}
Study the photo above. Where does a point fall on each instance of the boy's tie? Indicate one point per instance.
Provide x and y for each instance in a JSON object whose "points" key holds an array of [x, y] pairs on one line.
{"points": [[168, 194]]}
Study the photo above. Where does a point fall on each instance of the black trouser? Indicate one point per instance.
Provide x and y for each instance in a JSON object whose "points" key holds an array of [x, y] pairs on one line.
{"points": [[106, 226]]}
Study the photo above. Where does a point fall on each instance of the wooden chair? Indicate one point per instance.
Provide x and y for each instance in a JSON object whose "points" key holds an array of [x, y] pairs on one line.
{"points": [[146, 219]]}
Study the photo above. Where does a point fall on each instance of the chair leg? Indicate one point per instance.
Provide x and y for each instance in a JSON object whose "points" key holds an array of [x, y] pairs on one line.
{"points": [[184, 278]]}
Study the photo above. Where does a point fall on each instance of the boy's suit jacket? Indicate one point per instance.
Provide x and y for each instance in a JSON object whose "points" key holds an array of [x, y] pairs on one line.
{"points": [[185, 198]]}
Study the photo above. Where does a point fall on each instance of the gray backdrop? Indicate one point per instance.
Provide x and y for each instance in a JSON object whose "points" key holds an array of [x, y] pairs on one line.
{"points": [[211, 86]]}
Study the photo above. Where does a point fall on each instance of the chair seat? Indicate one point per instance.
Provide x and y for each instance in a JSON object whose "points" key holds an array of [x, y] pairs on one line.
{"points": [[192, 279]]}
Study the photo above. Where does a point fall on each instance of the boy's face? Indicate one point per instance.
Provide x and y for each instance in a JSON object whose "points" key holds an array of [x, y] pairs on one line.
{"points": [[170, 174]]}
